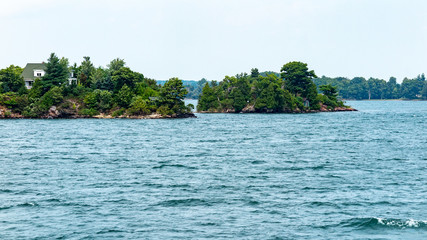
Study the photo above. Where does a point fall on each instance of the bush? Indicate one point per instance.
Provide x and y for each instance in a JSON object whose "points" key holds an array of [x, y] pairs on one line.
{"points": [[14, 101], [88, 112], [328, 102], [119, 112], [52, 97], [139, 106], [124, 96], [7, 114], [164, 110], [99, 99]]}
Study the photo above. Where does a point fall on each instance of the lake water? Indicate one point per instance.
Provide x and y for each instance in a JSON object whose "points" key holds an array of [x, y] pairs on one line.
{"points": [[346, 175]]}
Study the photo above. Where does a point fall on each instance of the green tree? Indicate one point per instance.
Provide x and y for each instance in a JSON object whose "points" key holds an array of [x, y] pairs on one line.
{"points": [[254, 72], [123, 76], [139, 106], [124, 96], [11, 80], [86, 71], [101, 79], [56, 73], [116, 64], [329, 91], [297, 77], [172, 95], [207, 99], [239, 99]]}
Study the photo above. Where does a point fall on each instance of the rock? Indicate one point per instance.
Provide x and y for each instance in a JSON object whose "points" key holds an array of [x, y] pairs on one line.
{"points": [[53, 112], [249, 109]]}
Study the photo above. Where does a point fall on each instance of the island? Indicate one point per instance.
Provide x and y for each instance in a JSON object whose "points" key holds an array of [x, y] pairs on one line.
{"points": [[56, 90], [292, 92]]}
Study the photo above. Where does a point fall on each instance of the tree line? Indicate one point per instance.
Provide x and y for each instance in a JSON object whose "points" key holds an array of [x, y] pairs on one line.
{"points": [[359, 88], [115, 90]]}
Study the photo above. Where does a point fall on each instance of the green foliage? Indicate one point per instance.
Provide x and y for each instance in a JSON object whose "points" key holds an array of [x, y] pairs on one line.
{"points": [[118, 112], [99, 90], [11, 80], [14, 101], [100, 100], [7, 114], [123, 76], [52, 97], [116, 64], [329, 91], [297, 77], [86, 72], [164, 111], [139, 106], [124, 96], [172, 95], [56, 73], [207, 100], [101, 79], [254, 72], [88, 112], [359, 88]]}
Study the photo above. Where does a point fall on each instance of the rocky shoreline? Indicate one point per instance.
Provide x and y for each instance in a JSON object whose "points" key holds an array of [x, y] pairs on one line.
{"points": [[54, 113], [251, 109]]}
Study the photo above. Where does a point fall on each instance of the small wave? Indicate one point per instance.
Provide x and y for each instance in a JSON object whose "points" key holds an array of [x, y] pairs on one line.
{"points": [[26, 204], [363, 223], [190, 202], [173, 165]]}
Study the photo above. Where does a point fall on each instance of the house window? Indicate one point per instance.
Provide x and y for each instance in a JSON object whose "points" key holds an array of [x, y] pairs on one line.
{"points": [[39, 74]]}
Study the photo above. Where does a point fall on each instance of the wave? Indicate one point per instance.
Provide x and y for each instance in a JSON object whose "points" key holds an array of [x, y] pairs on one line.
{"points": [[373, 223], [174, 166], [26, 204], [190, 202]]}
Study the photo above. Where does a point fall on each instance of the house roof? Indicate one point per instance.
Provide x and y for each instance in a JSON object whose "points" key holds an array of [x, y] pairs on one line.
{"points": [[29, 69]]}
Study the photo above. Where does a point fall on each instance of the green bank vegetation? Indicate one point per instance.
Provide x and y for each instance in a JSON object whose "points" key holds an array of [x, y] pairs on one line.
{"points": [[292, 91], [115, 91], [359, 88]]}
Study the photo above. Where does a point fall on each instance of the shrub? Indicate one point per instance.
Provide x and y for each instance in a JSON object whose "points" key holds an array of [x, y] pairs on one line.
{"points": [[124, 96], [14, 101], [164, 110], [88, 112], [139, 106], [119, 112], [7, 114]]}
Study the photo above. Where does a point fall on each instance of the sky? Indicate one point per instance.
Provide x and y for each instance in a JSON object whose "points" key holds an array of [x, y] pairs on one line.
{"points": [[194, 39]]}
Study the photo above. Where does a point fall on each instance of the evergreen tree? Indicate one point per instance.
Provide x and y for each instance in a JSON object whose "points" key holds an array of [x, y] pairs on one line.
{"points": [[297, 77], [86, 71], [172, 95], [56, 73]]}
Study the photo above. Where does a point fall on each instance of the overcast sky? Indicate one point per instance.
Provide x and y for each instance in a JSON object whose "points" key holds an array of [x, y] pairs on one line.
{"points": [[192, 39]]}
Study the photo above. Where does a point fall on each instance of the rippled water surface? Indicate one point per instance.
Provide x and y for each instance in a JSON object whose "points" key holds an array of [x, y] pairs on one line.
{"points": [[352, 175]]}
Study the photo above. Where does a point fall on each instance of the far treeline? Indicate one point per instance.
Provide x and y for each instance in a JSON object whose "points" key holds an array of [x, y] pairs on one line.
{"points": [[357, 88], [293, 91], [114, 91]]}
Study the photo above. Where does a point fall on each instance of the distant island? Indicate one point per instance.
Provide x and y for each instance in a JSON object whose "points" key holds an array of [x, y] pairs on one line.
{"points": [[292, 92], [56, 90], [357, 88]]}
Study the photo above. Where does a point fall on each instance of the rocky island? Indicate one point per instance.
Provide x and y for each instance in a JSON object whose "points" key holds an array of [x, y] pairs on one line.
{"points": [[292, 92], [57, 90]]}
